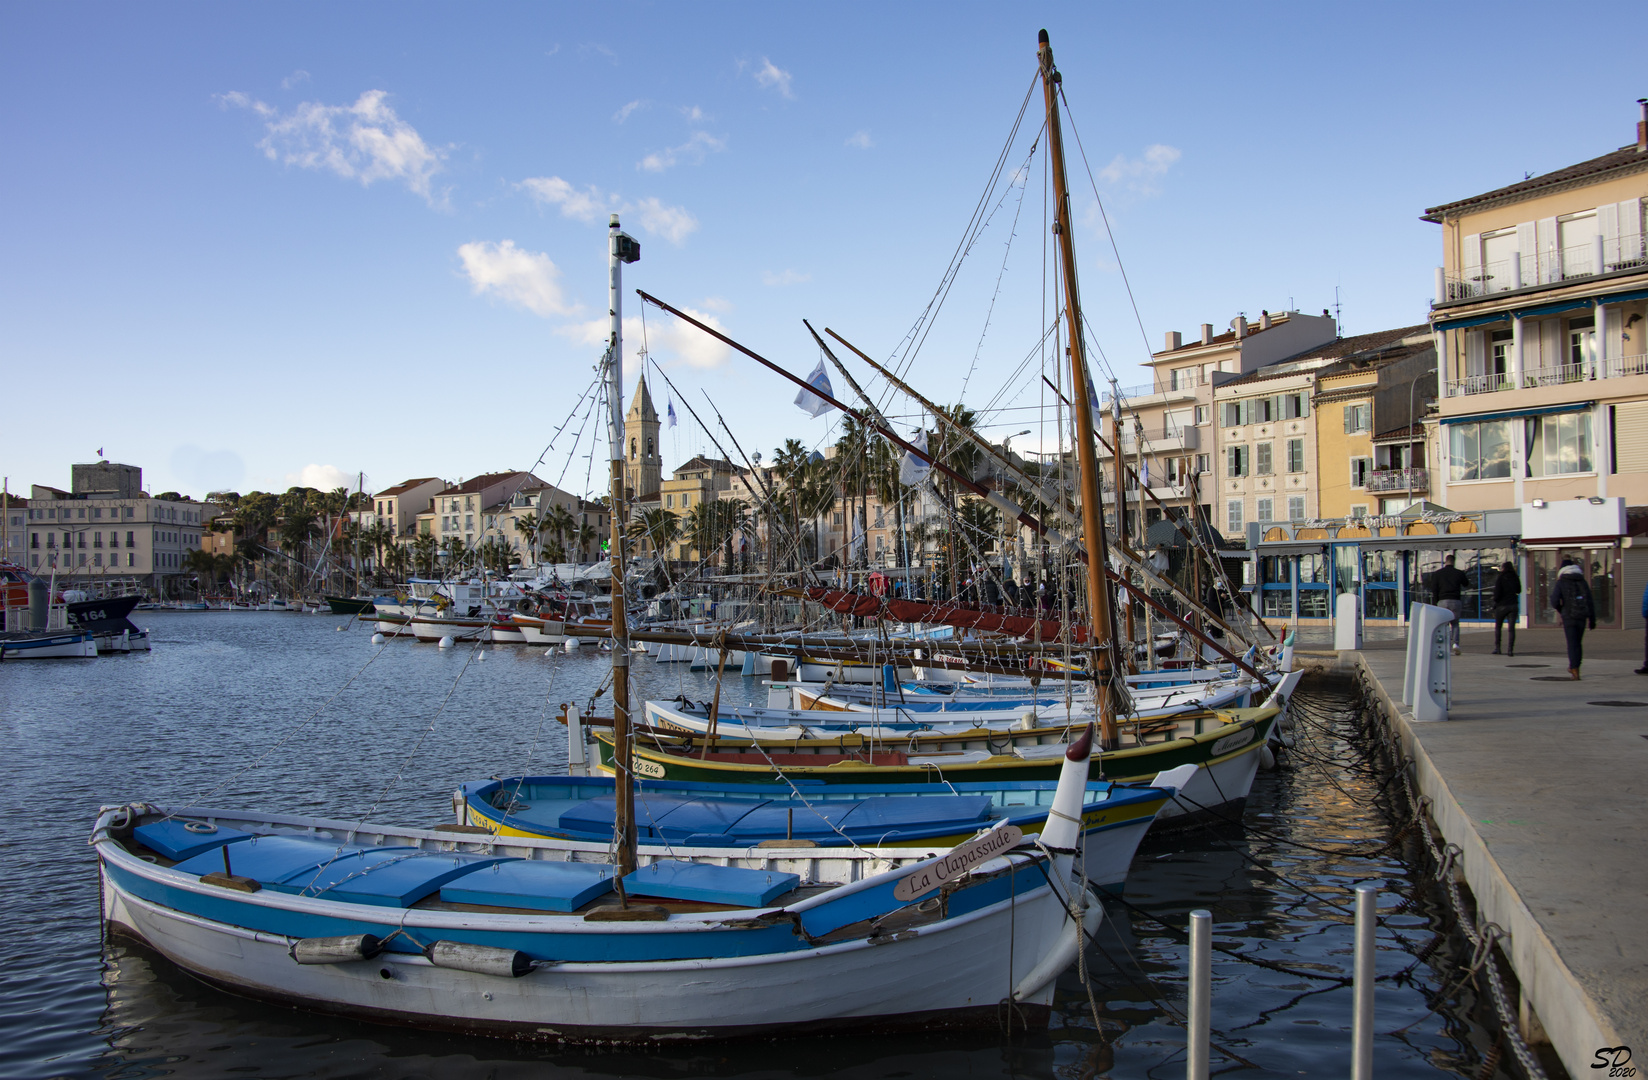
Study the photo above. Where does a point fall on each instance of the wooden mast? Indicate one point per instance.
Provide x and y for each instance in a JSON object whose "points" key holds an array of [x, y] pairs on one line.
{"points": [[1102, 621], [622, 249]]}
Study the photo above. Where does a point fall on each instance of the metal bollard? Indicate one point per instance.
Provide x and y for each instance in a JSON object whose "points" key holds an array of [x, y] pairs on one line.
{"points": [[1201, 994], [1361, 1065]]}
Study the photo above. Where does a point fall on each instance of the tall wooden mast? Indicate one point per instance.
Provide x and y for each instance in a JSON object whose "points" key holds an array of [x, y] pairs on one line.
{"points": [[1101, 616], [623, 249]]}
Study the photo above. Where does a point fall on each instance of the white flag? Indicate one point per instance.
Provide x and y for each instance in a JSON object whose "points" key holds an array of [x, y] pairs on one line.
{"points": [[809, 402], [911, 469], [1144, 473]]}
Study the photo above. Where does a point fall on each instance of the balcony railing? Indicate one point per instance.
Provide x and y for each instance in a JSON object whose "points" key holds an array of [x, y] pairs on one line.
{"points": [[1156, 441], [1550, 267], [1399, 480], [1478, 384], [1615, 367]]}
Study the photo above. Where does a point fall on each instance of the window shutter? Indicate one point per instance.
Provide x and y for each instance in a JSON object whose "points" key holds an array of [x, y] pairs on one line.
{"points": [[1470, 264], [1631, 437], [1608, 226], [1629, 216], [1550, 258], [1476, 361]]}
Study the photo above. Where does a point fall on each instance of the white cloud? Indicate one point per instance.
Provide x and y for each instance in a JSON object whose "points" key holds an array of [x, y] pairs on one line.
{"points": [[586, 205], [772, 76], [526, 279], [365, 141], [669, 339], [623, 114], [1141, 173], [593, 49], [718, 303], [673, 223], [321, 477], [784, 277], [860, 139], [693, 113], [298, 76], [692, 152]]}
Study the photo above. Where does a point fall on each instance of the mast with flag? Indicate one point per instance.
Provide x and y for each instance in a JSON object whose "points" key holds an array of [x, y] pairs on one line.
{"points": [[621, 249]]}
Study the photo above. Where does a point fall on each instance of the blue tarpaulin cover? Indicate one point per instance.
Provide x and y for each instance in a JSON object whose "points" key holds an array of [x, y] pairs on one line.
{"points": [[671, 880], [174, 838], [533, 884]]}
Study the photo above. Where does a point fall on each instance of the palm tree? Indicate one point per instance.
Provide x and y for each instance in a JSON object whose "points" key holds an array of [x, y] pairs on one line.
{"points": [[790, 465], [561, 525], [396, 559], [660, 528], [424, 550], [852, 468], [585, 539], [884, 464], [817, 497], [528, 525]]}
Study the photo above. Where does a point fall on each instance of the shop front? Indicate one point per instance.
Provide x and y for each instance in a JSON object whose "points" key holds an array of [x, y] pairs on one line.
{"points": [[1588, 530], [1387, 561]]}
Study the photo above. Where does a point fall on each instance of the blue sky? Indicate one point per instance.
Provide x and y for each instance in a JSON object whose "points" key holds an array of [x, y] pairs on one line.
{"points": [[251, 244]]}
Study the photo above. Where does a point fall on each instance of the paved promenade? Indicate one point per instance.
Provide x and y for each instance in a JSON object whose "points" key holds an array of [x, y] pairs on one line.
{"points": [[1544, 784]]}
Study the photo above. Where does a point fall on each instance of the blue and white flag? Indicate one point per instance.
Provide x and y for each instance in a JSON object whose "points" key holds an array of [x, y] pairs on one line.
{"points": [[911, 469], [809, 402], [672, 412]]}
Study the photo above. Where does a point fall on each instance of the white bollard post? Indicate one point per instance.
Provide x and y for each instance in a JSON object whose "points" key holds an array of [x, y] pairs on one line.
{"points": [[1201, 994], [1361, 1065], [576, 763]]}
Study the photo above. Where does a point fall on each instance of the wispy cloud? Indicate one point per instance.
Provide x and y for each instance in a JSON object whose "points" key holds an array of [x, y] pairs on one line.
{"points": [[718, 303], [521, 278], [623, 114], [774, 77], [670, 340], [784, 277], [693, 113], [596, 49], [586, 205], [672, 223], [692, 152], [1141, 173], [298, 76], [860, 139], [365, 141]]}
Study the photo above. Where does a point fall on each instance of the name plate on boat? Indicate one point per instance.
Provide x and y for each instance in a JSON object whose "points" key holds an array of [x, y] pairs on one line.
{"points": [[958, 861]]}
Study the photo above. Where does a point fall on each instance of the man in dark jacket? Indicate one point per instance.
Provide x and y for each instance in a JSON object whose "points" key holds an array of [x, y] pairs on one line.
{"points": [[1449, 585], [1571, 596], [1506, 597]]}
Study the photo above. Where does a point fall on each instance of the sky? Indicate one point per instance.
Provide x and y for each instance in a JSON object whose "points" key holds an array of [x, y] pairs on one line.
{"points": [[254, 245]]}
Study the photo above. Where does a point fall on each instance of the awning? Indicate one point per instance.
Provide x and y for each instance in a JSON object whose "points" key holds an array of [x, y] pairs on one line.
{"points": [[1551, 308], [1443, 541], [1511, 414], [1291, 547]]}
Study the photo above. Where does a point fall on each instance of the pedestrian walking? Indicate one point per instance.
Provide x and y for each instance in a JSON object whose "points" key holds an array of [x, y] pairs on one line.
{"points": [[1449, 584], [1571, 596], [1643, 670], [1506, 607]]}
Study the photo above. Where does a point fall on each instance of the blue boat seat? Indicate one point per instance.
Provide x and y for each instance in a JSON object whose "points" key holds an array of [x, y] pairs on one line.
{"points": [[917, 812], [653, 810], [179, 839], [407, 877], [271, 860], [533, 884], [780, 820], [672, 880]]}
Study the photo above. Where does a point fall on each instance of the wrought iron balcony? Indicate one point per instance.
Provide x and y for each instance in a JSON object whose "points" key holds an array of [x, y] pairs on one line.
{"points": [[1384, 480]]}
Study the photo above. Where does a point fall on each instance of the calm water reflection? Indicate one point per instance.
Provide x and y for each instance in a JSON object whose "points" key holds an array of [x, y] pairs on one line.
{"points": [[328, 719]]}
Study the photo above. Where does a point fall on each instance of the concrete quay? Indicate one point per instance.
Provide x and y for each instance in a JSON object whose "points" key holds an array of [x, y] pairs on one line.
{"points": [[1545, 788]]}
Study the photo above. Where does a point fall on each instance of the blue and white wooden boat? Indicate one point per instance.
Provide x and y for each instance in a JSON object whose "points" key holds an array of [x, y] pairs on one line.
{"points": [[48, 645], [514, 936], [674, 816]]}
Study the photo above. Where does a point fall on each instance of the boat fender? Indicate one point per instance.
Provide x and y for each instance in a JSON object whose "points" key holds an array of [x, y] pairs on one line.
{"points": [[340, 629], [480, 959], [335, 950], [572, 644], [445, 642], [1267, 758], [377, 639]]}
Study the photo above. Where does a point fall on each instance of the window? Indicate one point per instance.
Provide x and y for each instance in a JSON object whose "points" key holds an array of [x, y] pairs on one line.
{"points": [[1230, 414], [1358, 418], [97, 511], [1261, 459], [1359, 510], [34, 540], [1559, 444], [1266, 409], [81, 537], [880, 520], [80, 511], [1204, 463], [686, 498], [1296, 508], [1360, 467], [1233, 516], [1262, 511], [469, 502], [97, 539], [97, 560], [130, 510], [1581, 332], [1183, 378], [1479, 451], [469, 519], [1236, 461], [1201, 415], [131, 560], [837, 519], [82, 558], [669, 502], [1295, 406], [1295, 455], [1499, 353]]}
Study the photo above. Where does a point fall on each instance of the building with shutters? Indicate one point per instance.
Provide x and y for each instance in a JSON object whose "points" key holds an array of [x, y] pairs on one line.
{"points": [[1540, 318]]}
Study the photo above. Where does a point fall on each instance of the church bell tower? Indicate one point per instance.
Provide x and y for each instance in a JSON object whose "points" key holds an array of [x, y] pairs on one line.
{"points": [[643, 469]]}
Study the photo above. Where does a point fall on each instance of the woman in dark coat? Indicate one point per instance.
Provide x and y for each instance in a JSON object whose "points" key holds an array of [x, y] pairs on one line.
{"points": [[1571, 596], [1506, 606]]}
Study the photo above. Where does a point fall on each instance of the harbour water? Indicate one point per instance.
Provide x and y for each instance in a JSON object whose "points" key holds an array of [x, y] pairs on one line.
{"points": [[285, 712]]}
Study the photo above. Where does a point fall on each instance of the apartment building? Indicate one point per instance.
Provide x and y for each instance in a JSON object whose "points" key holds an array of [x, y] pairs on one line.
{"points": [[1168, 428], [457, 514], [106, 526], [544, 503], [399, 506], [1539, 320]]}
